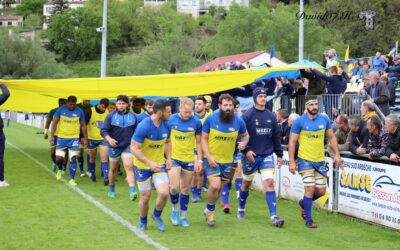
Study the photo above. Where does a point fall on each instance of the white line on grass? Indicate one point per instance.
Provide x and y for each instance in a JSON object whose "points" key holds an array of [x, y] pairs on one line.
{"points": [[139, 233]]}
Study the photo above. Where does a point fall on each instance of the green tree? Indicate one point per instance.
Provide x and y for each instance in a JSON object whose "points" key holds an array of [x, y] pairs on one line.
{"points": [[33, 21], [363, 42], [27, 59], [29, 7]]}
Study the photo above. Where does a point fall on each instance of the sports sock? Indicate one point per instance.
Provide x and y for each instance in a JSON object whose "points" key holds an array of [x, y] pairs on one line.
{"points": [[53, 159], [242, 198], [112, 188], [238, 184], [315, 197], [131, 189], [80, 163], [72, 169], [211, 207], [307, 203], [143, 219], [225, 193], [184, 201], [157, 213], [104, 167], [174, 200], [270, 197]]}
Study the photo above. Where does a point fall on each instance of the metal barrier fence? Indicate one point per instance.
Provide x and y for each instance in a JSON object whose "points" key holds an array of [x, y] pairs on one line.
{"points": [[330, 104]]}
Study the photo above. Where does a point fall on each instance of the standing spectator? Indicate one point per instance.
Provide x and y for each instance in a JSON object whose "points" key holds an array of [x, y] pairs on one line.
{"points": [[367, 110], [342, 134], [392, 90], [359, 135], [334, 81], [282, 119], [3, 98], [378, 138], [324, 58], [332, 59], [299, 96], [316, 86], [291, 119], [394, 73], [378, 63], [392, 124], [379, 93]]}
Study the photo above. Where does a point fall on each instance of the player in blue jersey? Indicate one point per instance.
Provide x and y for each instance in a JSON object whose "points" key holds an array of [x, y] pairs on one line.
{"points": [[69, 121], [149, 144], [310, 130], [265, 140], [185, 132], [118, 127], [236, 173], [50, 115], [199, 179], [219, 135], [148, 107]]}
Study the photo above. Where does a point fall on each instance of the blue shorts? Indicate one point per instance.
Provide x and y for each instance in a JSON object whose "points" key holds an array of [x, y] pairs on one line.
{"points": [[92, 144], [262, 163], [222, 170], [304, 165], [145, 176], [117, 153], [52, 145], [195, 151], [68, 143], [236, 158], [187, 167]]}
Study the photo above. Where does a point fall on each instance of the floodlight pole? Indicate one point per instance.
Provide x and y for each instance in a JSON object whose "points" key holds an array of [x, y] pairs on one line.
{"points": [[104, 41], [301, 30]]}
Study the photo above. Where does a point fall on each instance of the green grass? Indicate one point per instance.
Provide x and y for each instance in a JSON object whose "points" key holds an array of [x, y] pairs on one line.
{"points": [[38, 212]]}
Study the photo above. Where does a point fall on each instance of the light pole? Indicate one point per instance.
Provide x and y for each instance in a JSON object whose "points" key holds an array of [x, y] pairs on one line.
{"points": [[103, 30], [301, 30]]}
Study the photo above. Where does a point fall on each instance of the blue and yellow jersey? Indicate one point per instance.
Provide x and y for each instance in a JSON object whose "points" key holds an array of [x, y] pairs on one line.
{"points": [[142, 116], [311, 136], [69, 124], [152, 139], [50, 115], [222, 136], [183, 136], [202, 119], [95, 124]]}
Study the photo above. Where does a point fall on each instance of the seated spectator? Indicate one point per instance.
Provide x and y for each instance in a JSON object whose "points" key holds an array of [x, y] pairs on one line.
{"points": [[367, 110], [292, 117], [392, 124], [342, 134], [394, 73], [378, 92], [359, 135], [378, 138], [282, 119]]}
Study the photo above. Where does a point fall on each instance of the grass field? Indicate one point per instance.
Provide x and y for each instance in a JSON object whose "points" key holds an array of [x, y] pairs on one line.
{"points": [[38, 212]]}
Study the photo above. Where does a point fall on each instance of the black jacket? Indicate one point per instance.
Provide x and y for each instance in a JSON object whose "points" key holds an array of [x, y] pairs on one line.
{"points": [[394, 143], [382, 97], [316, 86], [360, 137]]}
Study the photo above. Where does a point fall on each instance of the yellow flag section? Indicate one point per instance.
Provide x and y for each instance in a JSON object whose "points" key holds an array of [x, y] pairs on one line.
{"points": [[42, 95]]}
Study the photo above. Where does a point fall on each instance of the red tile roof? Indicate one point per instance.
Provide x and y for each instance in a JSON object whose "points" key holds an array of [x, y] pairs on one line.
{"points": [[242, 58]]}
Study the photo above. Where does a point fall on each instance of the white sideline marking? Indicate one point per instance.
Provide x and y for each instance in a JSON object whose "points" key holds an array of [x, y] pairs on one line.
{"points": [[139, 233]]}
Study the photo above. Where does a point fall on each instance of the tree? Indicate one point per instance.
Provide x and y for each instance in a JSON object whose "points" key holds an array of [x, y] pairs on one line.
{"points": [[27, 59], [33, 21], [27, 8]]}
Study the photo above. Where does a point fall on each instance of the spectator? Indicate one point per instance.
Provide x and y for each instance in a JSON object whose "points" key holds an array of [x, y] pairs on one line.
{"points": [[332, 59], [279, 85], [282, 119], [239, 66], [378, 138], [342, 134], [392, 124], [316, 86], [324, 58], [379, 93], [299, 96], [292, 117], [394, 73], [364, 70], [378, 63], [367, 110], [359, 135], [392, 90], [334, 81]]}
